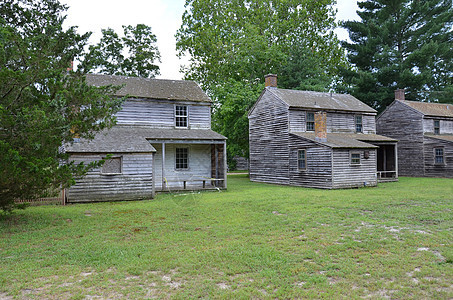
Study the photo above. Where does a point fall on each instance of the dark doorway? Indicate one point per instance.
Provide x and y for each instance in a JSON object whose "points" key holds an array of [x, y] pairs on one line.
{"points": [[386, 161]]}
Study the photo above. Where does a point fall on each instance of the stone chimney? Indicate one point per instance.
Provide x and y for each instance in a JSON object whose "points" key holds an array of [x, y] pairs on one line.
{"points": [[321, 126], [399, 94], [270, 80]]}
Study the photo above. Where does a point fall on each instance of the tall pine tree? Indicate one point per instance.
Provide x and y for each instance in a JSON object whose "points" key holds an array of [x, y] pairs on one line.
{"points": [[401, 44]]}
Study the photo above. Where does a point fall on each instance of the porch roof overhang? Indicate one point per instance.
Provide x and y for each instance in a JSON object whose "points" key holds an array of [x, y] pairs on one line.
{"points": [[183, 136], [443, 137], [348, 140]]}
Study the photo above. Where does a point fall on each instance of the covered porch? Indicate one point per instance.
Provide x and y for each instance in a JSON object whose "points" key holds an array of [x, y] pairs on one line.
{"points": [[387, 162]]}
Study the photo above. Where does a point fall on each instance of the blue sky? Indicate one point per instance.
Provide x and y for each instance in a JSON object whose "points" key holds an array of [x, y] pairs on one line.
{"points": [[164, 16]]}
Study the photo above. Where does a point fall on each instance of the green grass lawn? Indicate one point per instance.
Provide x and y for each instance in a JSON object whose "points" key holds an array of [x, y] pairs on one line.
{"points": [[252, 241]]}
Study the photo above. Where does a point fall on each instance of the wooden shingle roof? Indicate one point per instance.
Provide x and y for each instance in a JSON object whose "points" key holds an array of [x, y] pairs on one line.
{"points": [[319, 100], [430, 108], [443, 137], [346, 140], [137, 87]]}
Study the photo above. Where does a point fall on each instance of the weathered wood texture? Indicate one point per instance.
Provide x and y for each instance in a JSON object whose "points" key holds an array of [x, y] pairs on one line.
{"points": [[404, 124], [199, 166], [346, 175], [269, 141], [318, 173], [161, 114], [336, 122], [438, 170], [134, 183], [446, 126]]}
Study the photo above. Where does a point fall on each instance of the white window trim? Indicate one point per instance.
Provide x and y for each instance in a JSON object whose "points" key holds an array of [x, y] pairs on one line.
{"points": [[305, 159], [188, 161], [350, 158], [443, 163], [187, 116], [121, 166]]}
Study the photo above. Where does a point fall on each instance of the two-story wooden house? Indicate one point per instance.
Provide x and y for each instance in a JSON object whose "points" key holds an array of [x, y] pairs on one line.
{"points": [[425, 135], [315, 139], [162, 142]]}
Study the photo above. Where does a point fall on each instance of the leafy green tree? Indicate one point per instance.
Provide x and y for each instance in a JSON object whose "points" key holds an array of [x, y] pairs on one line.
{"points": [[233, 43], [43, 104], [133, 54], [401, 44]]}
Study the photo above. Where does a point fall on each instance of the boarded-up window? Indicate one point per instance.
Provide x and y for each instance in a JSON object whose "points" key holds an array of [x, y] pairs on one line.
{"points": [[436, 127], [358, 124], [301, 159], [182, 158], [355, 158], [112, 166], [181, 116], [439, 155], [310, 121]]}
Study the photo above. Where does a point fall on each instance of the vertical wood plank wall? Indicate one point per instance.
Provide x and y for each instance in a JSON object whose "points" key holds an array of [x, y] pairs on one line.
{"points": [[269, 141], [134, 183]]}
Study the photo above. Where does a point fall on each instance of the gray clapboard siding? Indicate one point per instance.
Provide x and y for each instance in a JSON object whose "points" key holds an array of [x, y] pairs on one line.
{"points": [[336, 122], [160, 113], [346, 175], [438, 170], [318, 173], [404, 124], [269, 138], [446, 126], [199, 166], [134, 183]]}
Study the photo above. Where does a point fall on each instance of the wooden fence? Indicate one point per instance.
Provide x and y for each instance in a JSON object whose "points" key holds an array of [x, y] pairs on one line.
{"points": [[59, 199]]}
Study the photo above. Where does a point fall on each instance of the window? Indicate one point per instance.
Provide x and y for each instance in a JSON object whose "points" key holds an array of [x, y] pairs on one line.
{"points": [[439, 156], [436, 127], [301, 160], [358, 124], [112, 166], [310, 121], [181, 116], [355, 158], [182, 158]]}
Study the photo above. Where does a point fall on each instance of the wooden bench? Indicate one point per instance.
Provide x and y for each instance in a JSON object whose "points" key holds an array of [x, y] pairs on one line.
{"points": [[203, 180]]}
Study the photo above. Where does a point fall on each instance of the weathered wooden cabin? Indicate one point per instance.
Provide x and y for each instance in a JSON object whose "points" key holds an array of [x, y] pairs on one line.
{"points": [[425, 134], [162, 142], [315, 139]]}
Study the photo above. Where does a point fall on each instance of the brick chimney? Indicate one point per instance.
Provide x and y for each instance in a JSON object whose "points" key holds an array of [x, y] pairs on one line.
{"points": [[270, 80], [321, 126], [399, 94]]}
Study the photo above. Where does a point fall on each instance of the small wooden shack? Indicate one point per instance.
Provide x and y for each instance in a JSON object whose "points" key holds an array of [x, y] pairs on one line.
{"points": [[425, 134], [315, 139], [162, 142]]}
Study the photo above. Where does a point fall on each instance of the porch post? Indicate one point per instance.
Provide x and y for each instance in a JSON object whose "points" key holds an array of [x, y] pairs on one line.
{"points": [[396, 160], [164, 185], [216, 151], [224, 166], [153, 179]]}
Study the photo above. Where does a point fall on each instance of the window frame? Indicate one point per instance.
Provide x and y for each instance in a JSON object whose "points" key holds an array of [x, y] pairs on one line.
{"points": [[356, 123], [351, 158], [442, 156], [111, 158], [307, 121], [186, 116], [436, 128], [186, 158], [299, 159]]}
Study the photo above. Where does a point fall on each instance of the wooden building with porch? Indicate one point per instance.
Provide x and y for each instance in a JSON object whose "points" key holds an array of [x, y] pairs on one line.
{"points": [[320, 140], [425, 134], [162, 142]]}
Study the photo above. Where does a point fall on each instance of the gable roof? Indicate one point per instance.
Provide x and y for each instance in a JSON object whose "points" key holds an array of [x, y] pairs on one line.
{"points": [[430, 108], [337, 140], [319, 100], [137, 87]]}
